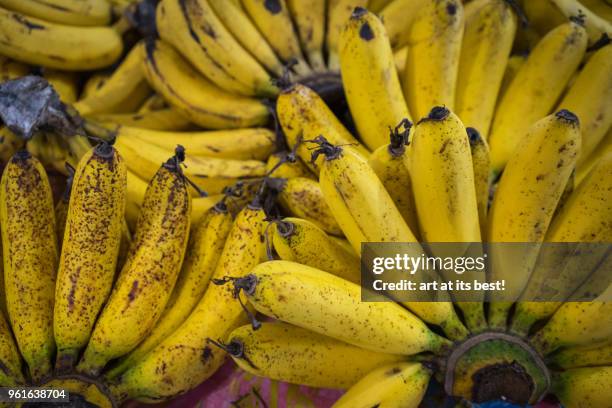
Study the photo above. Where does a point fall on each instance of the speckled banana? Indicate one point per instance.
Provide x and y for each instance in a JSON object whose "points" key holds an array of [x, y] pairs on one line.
{"points": [[146, 280], [583, 387], [199, 99], [162, 119], [587, 356], [194, 29], [401, 384], [61, 214], [481, 163], [303, 198], [332, 306], [309, 17], [39, 42], [434, 41], [69, 12], [203, 251], [288, 353], [595, 25], [124, 91], [185, 356], [526, 198], [535, 89], [9, 356], [338, 13], [398, 17], [273, 20], [370, 81], [490, 27], [590, 98], [30, 259], [90, 247], [301, 241], [305, 116]]}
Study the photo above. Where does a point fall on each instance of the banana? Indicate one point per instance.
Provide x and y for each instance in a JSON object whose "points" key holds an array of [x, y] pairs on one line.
{"points": [[332, 306], [526, 198], [309, 18], [599, 7], [481, 163], [535, 89], [238, 144], [589, 356], [589, 204], [338, 13], [590, 97], [184, 359], [543, 16], [61, 214], [193, 28], [135, 192], [400, 56], [303, 115], [390, 163], [148, 276], [93, 83], [273, 20], [247, 34], [124, 91], [66, 84], [162, 119], [10, 143], [287, 169], [434, 50], [291, 354], [70, 48], [515, 62], [490, 27], [587, 163], [371, 84], [398, 17], [303, 198], [69, 12], [11, 374], [199, 99], [376, 6], [401, 384], [90, 247], [583, 387], [594, 24], [30, 258], [10, 69], [203, 252], [301, 241]]}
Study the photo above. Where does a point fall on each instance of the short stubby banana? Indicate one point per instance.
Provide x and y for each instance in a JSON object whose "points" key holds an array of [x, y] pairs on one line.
{"points": [[90, 247], [149, 274], [583, 387], [69, 12], [338, 13], [29, 251]]}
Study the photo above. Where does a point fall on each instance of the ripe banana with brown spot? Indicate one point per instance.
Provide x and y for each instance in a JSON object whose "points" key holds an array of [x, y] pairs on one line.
{"points": [[162, 119], [69, 12], [481, 163]]}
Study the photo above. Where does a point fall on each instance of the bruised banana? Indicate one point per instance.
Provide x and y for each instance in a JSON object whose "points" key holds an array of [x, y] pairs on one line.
{"points": [[90, 247], [332, 306], [149, 274], [185, 356], [309, 16], [69, 12], [338, 13], [370, 81], [526, 198], [52, 45], [301, 241], [30, 257], [203, 251], [291, 354], [199, 99]]}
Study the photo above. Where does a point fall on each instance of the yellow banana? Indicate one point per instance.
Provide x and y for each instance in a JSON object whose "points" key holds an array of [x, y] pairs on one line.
{"points": [[398, 17], [490, 27], [203, 252], [148, 276], [594, 24], [93, 83], [587, 163], [185, 356], [135, 192], [400, 56], [515, 62], [243, 29], [199, 99], [590, 97], [10, 143], [377, 5], [543, 16], [30, 258], [70, 12], [288, 353], [338, 13], [390, 163], [301, 241], [402, 384], [434, 50], [601, 8], [11, 374], [481, 163], [535, 89], [90, 247], [66, 84], [194, 29], [370, 81], [583, 387], [10, 69], [303, 198], [61, 214], [305, 116], [162, 119], [588, 356], [273, 20], [124, 91], [286, 169], [309, 17], [332, 306], [526, 198], [52, 45]]}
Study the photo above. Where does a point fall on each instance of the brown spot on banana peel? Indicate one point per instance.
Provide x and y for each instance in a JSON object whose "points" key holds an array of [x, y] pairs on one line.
{"points": [[365, 32], [27, 23]]}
